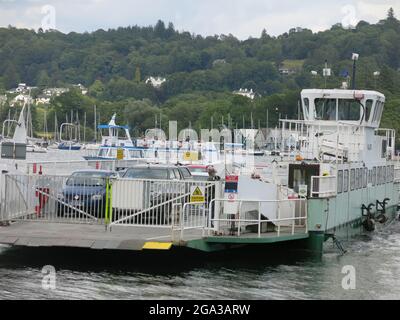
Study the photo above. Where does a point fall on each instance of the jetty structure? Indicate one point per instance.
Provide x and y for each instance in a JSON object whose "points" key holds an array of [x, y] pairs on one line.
{"points": [[336, 176]]}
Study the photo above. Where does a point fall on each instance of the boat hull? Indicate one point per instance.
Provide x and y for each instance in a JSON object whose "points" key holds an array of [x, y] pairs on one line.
{"points": [[73, 148], [94, 158]]}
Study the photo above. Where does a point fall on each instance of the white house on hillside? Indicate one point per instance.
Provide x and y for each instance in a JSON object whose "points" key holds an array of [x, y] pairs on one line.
{"points": [[81, 87], [22, 88], [156, 82], [50, 92], [245, 93]]}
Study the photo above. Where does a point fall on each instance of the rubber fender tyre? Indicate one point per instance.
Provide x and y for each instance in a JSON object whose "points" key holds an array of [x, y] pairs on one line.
{"points": [[382, 219], [369, 225]]}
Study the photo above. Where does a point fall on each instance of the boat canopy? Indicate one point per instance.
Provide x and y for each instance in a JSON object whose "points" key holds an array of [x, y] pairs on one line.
{"points": [[107, 126]]}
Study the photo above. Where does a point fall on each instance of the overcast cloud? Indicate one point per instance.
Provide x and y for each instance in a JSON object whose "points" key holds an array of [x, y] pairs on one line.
{"points": [[206, 17]]}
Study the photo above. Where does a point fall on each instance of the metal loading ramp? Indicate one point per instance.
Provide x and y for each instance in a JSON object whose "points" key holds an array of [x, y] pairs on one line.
{"points": [[87, 236]]}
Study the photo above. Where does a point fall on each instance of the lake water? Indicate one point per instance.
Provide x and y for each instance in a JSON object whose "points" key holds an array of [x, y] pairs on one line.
{"points": [[260, 274]]}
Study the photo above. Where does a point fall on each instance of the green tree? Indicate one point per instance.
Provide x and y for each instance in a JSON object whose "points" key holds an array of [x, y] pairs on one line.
{"points": [[43, 79], [97, 89], [138, 76], [390, 14]]}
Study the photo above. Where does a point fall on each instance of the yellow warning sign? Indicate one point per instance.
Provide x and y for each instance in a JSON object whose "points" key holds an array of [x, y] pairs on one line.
{"points": [[191, 156], [120, 154], [197, 194]]}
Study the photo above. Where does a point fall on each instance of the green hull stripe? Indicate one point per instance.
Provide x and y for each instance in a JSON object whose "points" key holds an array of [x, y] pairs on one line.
{"points": [[228, 240]]}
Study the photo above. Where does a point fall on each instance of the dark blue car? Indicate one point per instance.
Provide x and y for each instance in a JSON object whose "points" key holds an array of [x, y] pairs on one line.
{"points": [[84, 193]]}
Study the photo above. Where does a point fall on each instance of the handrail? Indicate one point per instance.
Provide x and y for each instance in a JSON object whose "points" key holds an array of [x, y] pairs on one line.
{"points": [[326, 193], [182, 220], [259, 221]]}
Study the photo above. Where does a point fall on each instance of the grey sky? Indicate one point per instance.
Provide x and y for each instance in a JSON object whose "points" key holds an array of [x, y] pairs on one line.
{"points": [[207, 17]]}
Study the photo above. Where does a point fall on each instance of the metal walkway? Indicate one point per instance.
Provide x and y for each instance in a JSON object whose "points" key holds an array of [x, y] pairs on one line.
{"points": [[32, 234]]}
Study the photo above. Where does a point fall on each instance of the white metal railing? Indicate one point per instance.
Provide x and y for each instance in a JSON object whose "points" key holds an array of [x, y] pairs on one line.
{"points": [[138, 202], [53, 199], [310, 139], [106, 201], [193, 216], [289, 216], [323, 186]]}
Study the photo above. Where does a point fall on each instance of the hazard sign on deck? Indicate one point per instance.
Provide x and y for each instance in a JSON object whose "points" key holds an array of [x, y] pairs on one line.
{"points": [[120, 154], [197, 194], [191, 156]]}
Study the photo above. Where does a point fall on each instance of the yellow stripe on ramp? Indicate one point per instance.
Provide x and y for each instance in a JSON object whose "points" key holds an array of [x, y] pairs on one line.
{"points": [[157, 246]]}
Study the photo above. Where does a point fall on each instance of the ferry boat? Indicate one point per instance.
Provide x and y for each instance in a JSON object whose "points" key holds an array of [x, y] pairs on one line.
{"points": [[342, 167]]}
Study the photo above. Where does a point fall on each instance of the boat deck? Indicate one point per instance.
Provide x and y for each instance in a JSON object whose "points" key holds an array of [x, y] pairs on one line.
{"points": [[38, 234]]}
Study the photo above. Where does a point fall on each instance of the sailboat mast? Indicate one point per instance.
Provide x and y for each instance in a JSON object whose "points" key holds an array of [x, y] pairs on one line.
{"points": [[84, 127], [45, 124], [55, 127], [9, 122], [78, 123], [95, 125]]}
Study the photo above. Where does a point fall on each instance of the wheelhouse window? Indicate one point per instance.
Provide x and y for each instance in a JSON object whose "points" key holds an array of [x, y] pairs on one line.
{"points": [[384, 175], [358, 184], [375, 111], [368, 109], [381, 111], [374, 176], [340, 181], [325, 109], [306, 104], [378, 110], [360, 178], [349, 110], [365, 180], [346, 181], [352, 179], [379, 178]]}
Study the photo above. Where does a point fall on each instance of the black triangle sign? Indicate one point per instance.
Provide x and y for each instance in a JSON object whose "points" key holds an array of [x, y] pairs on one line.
{"points": [[197, 192]]}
